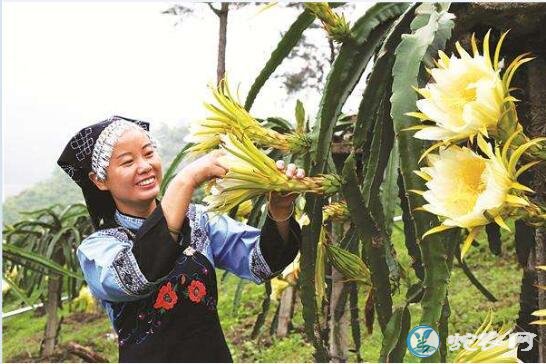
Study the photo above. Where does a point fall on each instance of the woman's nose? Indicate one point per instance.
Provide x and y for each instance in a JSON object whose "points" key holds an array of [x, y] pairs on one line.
{"points": [[144, 166]]}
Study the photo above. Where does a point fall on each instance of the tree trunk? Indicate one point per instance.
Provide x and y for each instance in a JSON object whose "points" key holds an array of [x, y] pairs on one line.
{"points": [[222, 41], [528, 304], [325, 306], [540, 238], [53, 323], [339, 322], [537, 127], [286, 310]]}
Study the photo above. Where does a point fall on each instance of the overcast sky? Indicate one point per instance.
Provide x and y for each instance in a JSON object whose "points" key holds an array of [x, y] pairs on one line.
{"points": [[69, 64]]}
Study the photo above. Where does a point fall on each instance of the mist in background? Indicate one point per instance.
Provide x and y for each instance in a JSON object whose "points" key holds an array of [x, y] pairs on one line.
{"points": [[69, 64]]}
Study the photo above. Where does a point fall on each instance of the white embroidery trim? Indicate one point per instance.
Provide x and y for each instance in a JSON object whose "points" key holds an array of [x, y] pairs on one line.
{"points": [[257, 265], [125, 263], [199, 238]]}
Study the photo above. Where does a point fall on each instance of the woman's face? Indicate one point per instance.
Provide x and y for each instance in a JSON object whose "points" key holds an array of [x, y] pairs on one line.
{"points": [[134, 173]]}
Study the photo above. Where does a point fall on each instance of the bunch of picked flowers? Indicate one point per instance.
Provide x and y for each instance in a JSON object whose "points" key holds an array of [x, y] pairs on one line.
{"points": [[252, 173], [228, 116]]}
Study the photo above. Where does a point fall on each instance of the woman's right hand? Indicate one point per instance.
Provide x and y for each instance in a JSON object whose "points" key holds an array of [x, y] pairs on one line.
{"points": [[204, 168], [179, 192]]}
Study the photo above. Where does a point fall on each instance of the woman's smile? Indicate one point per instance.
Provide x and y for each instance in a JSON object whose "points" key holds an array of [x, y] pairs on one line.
{"points": [[147, 183]]}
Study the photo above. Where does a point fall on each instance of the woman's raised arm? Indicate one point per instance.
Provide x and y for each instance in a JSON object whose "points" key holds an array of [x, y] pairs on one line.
{"points": [[178, 195]]}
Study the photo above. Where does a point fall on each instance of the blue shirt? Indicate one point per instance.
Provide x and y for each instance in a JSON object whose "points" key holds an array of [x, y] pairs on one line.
{"points": [[114, 274]]}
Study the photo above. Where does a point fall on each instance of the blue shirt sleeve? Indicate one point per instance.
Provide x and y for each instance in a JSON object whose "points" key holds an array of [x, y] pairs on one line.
{"points": [[110, 268], [237, 248]]}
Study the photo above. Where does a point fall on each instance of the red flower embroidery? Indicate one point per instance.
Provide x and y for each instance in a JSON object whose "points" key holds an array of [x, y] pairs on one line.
{"points": [[196, 291], [166, 298]]}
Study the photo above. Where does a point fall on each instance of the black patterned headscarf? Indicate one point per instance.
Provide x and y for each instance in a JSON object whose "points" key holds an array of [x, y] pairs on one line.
{"points": [[90, 150]]}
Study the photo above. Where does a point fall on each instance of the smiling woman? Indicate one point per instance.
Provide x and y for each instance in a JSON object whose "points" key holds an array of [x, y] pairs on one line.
{"points": [[152, 263], [134, 171]]}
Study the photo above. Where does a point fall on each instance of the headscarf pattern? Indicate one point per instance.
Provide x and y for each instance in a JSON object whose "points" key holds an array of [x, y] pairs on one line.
{"points": [[90, 150]]}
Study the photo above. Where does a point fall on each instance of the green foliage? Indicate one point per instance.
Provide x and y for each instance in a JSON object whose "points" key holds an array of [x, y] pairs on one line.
{"points": [[172, 169], [402, 39], [348, 264], [346, 70], [373, 240], [22, 335], [18, 292], [380, 78], [389, 189], [496, 272], [377, 159], [42, 246], [59, 188], [14, 253], [396, 328], [410, 53], [266, 303]]}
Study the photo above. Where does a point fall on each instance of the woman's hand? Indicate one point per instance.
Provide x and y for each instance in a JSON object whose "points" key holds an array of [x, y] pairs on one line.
{"points": [[204, 168], [281, 205], [178, 195]]}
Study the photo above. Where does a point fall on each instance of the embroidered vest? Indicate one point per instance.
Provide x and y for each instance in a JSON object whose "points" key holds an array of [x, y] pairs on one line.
{"points": [[178, 320]]}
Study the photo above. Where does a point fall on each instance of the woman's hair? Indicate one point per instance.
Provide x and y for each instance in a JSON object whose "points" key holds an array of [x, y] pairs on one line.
{"points": [[101, 207], [90, 150]]}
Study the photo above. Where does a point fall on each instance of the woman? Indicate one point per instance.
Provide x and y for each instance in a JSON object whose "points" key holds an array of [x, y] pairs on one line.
{"points": [[151, 263]]}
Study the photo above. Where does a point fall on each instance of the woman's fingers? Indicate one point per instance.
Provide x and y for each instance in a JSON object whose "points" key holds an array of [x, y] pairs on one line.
{"points": [[223, 166], [290, 170], [216, 159], [217, 171]]}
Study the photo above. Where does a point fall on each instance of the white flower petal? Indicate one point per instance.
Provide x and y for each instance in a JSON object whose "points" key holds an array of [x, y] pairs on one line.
{"points": [[464, 186], [433, 133], [466, 96]]}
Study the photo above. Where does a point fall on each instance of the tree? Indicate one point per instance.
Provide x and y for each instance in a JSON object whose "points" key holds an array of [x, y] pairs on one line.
{"points": [[222, 12], [42, 251]]}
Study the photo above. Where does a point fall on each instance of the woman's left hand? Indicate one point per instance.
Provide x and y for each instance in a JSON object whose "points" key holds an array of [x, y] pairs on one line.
{"points": [[281, 205]]}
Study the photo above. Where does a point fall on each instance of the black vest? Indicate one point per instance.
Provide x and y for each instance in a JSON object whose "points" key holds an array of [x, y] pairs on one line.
{"points": [[178, 321]]}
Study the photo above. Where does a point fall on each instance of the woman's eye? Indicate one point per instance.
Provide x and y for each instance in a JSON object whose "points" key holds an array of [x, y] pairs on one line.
{"points": [[150, 154], [127, 163]]}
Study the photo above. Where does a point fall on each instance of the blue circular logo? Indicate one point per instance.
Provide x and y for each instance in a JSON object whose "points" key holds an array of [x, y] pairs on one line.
{"points": [[423, 341]]}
